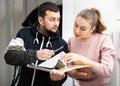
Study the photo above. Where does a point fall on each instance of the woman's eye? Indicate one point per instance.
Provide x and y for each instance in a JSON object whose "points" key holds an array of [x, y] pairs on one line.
{"points": [[83, 28], [75, 25]]}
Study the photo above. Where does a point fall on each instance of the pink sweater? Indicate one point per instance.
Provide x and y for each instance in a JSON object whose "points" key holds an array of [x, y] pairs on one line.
{"points": [[100, 49]]}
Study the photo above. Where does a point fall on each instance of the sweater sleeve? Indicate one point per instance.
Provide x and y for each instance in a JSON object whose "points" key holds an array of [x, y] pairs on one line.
{"points": [[16, 54], [105, 66]]}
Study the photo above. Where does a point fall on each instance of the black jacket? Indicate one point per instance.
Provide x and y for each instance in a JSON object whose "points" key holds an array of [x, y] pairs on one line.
{"points": [[22, 51]]}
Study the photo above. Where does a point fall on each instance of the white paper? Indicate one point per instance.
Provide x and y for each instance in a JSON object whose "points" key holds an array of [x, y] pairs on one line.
{"points": [[51, 63]]}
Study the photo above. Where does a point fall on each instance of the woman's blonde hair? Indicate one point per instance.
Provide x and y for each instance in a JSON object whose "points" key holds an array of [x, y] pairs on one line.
{"points": [[94, 15]]}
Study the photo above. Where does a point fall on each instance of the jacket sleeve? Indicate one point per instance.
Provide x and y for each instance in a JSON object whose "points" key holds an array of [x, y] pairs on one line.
{"points": [[17, 55]]}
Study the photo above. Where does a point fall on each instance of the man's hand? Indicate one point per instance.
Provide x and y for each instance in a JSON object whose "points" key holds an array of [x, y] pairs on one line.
{"points": [[56, 75], [44, 54]]}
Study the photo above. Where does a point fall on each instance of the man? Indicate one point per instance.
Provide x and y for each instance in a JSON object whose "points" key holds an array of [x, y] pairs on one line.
{"points": [[35, 44]]}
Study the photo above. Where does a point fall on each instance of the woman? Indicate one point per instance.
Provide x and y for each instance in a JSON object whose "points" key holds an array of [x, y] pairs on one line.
{"points": [[90, 46]]}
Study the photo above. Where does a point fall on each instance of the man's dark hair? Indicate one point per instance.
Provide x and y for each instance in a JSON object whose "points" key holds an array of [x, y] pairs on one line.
{"points": [[45, 7]]}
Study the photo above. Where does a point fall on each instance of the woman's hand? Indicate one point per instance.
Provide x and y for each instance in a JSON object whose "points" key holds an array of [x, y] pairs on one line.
{"points": [[76, 59], [84, 74], [80, 73]]}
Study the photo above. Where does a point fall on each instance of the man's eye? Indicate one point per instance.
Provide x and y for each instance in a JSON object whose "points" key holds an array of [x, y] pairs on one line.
{"points": [[58, 19], [52, 19]]}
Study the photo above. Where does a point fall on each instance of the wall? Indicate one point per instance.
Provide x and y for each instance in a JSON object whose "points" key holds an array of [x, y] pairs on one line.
{"points": [[110, 13], [71, 8], [118, 40], [10, 19], [13, 12]]}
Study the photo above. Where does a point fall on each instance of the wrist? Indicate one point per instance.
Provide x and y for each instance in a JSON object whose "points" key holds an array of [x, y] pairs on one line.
{"points": [[92, 64], [37, 55]]}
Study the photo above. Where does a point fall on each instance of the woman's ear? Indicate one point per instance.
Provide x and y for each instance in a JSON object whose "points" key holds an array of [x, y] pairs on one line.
{"points": [[93, 29], [40, 20]]}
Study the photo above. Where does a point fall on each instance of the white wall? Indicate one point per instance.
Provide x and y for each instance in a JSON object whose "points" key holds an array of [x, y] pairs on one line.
{"points": [[110, 13], [13, 12], [73, 7]]}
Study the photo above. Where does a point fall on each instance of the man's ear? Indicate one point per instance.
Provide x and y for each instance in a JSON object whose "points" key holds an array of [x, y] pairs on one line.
{"points": [[40, 20]]}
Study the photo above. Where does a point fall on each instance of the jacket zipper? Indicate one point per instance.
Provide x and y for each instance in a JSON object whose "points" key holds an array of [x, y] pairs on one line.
{"points": [[34, 73]]}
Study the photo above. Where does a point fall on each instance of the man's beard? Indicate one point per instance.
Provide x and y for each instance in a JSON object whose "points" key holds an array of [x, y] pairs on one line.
{"points": [[49, 32]]}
